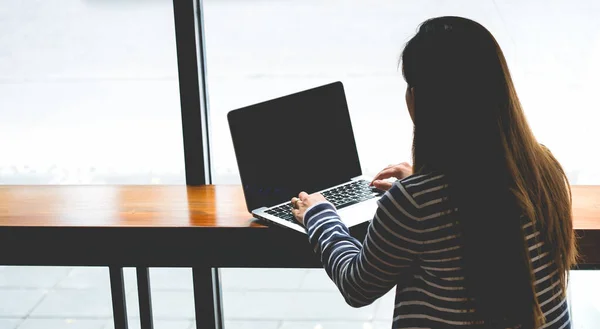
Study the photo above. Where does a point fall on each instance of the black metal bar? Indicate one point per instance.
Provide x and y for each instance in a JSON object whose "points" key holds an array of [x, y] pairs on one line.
{"points": [[203, 68], [207, 298], [144, 297], [156, 247], [218, 300], [194, 140], [117, 289], [177, 247]]}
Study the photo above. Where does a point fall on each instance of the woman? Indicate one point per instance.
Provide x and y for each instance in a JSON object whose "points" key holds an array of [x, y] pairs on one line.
{"points": [[480, 235]]}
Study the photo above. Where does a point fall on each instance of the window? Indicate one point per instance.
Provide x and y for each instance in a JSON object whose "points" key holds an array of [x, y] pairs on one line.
{"points": [[258, 50], [89, 93]]}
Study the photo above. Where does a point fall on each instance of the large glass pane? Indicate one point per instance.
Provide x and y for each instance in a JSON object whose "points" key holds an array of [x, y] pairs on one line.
{"points": [[89, 93], [262, 49], [259, 49]]}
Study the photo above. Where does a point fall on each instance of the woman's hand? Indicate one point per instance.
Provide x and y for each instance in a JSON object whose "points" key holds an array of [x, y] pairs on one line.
{"points": [[397, 171], [304, 201]]}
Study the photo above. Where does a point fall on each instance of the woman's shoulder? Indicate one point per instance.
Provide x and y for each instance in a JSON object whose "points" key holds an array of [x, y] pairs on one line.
{"points": [[419, 183], [420, 190]]}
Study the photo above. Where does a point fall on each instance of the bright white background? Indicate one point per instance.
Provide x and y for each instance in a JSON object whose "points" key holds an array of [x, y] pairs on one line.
{"points": [[89, 93]]}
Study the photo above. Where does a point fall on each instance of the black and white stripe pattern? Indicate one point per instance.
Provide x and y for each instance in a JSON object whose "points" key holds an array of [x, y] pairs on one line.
{"points": [[413, 243]]}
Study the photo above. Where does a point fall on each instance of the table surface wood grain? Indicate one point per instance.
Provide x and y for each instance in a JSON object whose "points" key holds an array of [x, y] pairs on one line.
{"points": [[173, 206]]}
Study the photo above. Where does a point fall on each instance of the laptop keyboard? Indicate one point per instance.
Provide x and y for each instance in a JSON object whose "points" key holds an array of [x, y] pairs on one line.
{"points": [[283, 211], [342, 196], [349, 194]]}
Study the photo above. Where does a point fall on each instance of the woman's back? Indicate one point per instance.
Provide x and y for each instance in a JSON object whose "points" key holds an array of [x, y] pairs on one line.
{"points": [[469, 125], [437, 295], [469, 248]]}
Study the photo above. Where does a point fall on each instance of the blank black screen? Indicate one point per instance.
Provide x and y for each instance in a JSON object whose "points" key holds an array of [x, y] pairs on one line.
{"points": [[300, 142]]}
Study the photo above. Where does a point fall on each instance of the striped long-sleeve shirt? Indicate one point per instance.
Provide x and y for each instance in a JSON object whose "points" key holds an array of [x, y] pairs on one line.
{"points": [[412, 243]]}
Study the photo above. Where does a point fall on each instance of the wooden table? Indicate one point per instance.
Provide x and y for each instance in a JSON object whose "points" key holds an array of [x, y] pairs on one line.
{"points": [[205, 228]]}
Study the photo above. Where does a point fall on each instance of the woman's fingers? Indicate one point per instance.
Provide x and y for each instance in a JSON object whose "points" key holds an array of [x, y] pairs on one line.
{"points": [[398, 171], [386, 173], [302, 196], [382, 185]]}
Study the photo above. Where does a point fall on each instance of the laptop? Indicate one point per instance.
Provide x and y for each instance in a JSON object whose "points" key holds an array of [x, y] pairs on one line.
{"points": [[301, 142]]}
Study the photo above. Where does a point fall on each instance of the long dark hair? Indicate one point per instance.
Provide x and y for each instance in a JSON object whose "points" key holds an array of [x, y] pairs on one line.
{"points": [[469, 125]]}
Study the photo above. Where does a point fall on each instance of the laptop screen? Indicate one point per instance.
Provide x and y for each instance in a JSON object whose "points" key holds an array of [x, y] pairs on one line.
{"points": [[300, 142]]}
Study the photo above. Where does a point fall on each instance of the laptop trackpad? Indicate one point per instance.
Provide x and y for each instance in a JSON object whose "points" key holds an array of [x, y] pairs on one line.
{"points": [[358, 213]]}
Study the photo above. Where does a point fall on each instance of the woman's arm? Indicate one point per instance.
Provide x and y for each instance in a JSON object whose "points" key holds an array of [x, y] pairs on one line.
{"points": [[365, 272]]}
